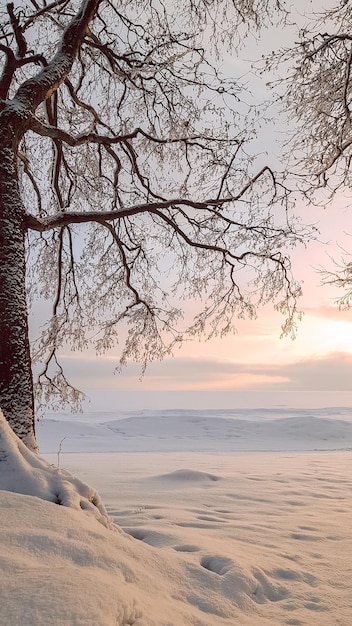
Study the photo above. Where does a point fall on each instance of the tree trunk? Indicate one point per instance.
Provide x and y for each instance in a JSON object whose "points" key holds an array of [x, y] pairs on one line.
{"points": [[16, 382]]}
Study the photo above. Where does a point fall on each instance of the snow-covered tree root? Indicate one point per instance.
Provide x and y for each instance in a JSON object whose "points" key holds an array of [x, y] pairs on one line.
{"points": [[24, 472]]}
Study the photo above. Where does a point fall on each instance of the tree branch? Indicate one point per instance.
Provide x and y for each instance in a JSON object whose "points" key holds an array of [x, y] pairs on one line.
{"points": [[47, 130], [8, 71], [36, 89], [18, 31], [69, 217], [41, 11], [127, 269]]}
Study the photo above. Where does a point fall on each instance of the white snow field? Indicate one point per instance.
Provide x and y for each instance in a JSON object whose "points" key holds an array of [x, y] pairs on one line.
{"points": [[236, 518]]}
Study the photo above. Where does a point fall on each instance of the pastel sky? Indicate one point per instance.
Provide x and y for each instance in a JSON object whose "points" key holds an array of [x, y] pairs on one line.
{"points": [[254, 361]]}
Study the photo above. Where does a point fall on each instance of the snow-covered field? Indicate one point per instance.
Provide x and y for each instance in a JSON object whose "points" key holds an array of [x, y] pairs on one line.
{"points": [[240, 518]]}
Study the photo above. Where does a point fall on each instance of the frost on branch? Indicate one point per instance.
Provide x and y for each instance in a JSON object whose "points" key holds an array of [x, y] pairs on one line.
{"points": [[316, 93], [135, 178], [22, 471]]}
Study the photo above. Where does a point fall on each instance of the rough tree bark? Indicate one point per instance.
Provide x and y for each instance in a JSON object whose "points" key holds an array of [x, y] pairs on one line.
{"points": [[16, 383]]}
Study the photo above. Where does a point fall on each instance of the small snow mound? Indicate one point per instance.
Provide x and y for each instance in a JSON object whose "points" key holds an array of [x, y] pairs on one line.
{"points": [[187, 475], [24, 472]]}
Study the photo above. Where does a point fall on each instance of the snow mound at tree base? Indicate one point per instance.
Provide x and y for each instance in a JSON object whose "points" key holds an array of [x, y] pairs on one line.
{"points": [[59, 567], [24, 472]]}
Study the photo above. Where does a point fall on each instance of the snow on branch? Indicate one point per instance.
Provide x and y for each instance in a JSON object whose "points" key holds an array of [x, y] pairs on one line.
{"points": [[45, 130], [65, 218], [36, 89]]}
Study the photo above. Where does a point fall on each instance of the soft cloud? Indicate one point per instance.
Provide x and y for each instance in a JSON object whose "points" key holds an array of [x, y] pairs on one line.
{"points": [[329, 372]]}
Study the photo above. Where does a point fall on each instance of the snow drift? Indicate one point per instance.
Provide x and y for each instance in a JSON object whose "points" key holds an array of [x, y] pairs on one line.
{"points": [[22, 471]]}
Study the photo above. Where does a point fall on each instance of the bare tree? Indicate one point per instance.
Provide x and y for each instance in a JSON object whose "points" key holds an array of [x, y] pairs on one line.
{"points": [[317, 97], [127, 184]]}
